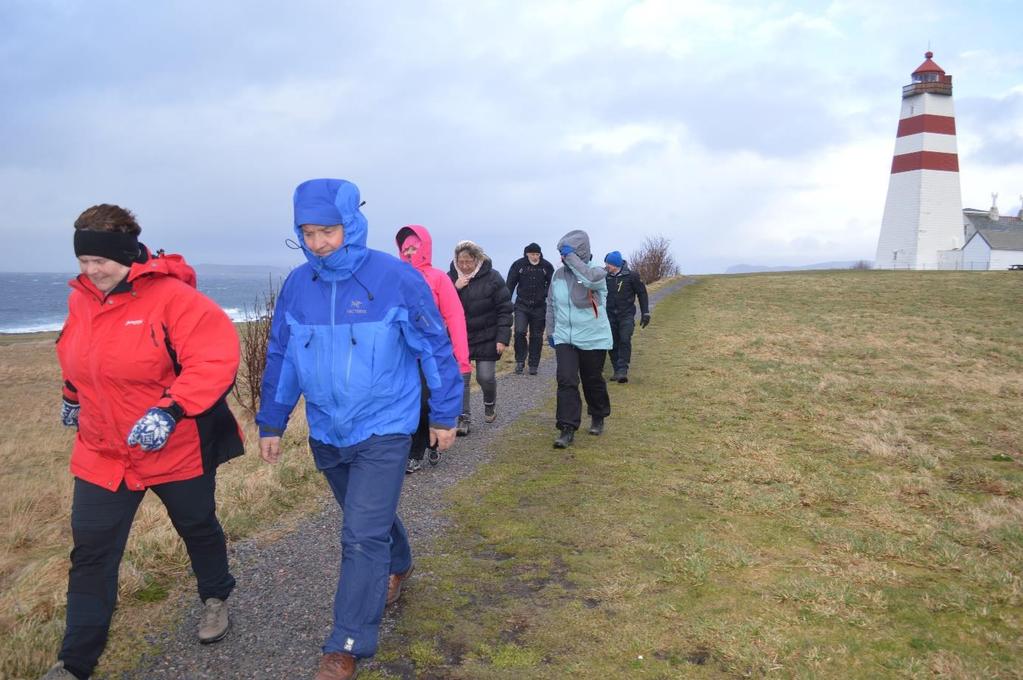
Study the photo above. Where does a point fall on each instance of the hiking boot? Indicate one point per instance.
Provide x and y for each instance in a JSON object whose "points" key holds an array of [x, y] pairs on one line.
{"points": [[214, 622], [565, 440], [394, 582], [413, 465], [463, 425], [337, 666], [490, 412], [596, 425], [519, 366], [624, 377], [58, 672], [532, 370], [617, 375]]}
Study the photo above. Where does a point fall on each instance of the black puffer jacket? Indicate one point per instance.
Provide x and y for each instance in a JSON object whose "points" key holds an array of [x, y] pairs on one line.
{"points": [[622, 290], [488, 311], [532, 280]]}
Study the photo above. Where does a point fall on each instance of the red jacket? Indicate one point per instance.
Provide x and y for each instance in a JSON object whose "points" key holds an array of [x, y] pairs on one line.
{"points": [[152, 341]]}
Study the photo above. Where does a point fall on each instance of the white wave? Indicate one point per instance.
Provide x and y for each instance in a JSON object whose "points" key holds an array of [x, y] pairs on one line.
{"points": [[239, 314], [236, 314], [39, 328]]}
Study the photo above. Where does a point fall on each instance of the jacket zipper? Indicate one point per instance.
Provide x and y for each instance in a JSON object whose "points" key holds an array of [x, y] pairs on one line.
{"points": [[333, 387]]}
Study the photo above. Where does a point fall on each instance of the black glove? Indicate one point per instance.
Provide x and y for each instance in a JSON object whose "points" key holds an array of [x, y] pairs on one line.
{"points": [[644, 321]]}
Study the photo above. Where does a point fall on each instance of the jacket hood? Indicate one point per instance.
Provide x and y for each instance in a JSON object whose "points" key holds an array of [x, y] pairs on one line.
{"points": [[473, 249], [483, 262], [423, 257], [327, 202], [163, 265], [579, 241], [532, 248]]}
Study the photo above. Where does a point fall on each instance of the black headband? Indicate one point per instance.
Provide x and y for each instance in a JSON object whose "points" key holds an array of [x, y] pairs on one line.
{"points": [[113, 245]]}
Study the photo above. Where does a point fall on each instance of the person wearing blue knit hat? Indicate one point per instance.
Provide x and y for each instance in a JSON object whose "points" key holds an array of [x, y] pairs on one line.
{"points": [[623, 287], [351, 329]]}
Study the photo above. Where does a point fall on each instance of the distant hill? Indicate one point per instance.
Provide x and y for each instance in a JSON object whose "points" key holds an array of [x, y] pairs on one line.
{"points": [[240, 270], [754, 268]]}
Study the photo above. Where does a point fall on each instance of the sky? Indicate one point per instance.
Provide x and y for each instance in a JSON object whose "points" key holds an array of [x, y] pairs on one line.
{"points": [[744, 132]]}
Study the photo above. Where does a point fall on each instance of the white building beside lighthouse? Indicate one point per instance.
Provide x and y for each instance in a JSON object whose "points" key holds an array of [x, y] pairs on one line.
{"points": [[922, 227]]}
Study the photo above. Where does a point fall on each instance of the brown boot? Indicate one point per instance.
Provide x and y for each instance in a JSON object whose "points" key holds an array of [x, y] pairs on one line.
{"points": [[394, 582], [337, 666]]}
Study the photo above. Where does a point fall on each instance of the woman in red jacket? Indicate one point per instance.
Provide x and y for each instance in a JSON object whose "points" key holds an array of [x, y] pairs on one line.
{"points": [[147, 362]]}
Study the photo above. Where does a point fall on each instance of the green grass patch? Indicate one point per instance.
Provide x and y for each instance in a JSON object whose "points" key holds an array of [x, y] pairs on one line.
{"points": [[809, 475]]}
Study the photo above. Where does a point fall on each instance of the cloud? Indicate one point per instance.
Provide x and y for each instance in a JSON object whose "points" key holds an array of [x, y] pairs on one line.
{"points": [[740, 131]]}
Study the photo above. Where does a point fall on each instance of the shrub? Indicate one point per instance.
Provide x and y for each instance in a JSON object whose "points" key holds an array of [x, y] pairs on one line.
{"points": [[255, 338], [653, 260]]}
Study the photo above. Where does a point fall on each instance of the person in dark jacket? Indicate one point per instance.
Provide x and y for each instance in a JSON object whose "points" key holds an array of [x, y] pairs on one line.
{"points": [[488, 315], [531, 274], [623, 287], [147, 361]]}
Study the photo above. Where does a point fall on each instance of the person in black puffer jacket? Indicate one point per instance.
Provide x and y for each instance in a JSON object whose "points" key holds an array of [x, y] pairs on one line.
{"points": [[488, 319], [623, 288], [531, 274]]}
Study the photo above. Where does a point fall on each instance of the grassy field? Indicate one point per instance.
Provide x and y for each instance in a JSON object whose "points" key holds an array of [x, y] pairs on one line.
{"points": [[810, 475], [35, 504]]}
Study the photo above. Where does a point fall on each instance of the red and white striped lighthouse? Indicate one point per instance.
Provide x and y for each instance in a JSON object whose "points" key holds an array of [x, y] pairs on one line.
{"points": [[923, 215]]}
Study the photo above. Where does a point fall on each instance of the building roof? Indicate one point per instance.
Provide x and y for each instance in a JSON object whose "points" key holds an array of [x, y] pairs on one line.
{"points": [[1003, 239], [981, 219], [929, 66]]}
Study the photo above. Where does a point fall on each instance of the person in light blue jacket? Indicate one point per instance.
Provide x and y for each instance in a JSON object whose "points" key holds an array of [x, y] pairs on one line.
{"points": [[580, 334], [348, 329]]}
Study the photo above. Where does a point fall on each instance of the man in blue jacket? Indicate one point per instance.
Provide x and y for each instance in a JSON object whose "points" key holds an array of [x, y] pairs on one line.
{"points": [[348, 330]]}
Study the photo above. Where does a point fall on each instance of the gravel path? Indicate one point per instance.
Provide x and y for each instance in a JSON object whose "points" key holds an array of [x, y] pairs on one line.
{"points": [[281, 610]]}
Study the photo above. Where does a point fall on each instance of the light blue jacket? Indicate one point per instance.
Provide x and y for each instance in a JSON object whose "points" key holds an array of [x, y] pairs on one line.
{"points": [[348, 330], [575, 300]]}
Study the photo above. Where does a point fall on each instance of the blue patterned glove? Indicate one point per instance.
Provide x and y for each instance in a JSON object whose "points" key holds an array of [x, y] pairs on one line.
{"points": [[566, 250], [69, 413], [550, 340], [152, 430]]}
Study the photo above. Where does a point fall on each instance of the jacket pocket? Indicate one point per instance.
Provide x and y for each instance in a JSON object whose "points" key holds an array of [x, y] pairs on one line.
{"points": [[308, 353]]}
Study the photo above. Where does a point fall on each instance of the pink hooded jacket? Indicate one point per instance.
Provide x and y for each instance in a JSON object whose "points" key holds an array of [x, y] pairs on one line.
{"points": [[444, 293]]}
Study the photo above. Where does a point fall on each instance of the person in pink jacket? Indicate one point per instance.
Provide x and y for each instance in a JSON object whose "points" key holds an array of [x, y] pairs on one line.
{"points": [[415, 246]]}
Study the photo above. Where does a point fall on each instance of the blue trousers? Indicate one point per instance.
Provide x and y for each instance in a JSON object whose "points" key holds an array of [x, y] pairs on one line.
{"points": [[100, 522], [366, 479]]}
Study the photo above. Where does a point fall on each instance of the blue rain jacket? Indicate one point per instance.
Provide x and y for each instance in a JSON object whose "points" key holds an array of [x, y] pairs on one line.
{"points": [[348, 330]]}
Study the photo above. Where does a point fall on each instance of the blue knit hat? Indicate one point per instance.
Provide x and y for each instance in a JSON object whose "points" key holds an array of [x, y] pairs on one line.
{"points": [[614, 258]]}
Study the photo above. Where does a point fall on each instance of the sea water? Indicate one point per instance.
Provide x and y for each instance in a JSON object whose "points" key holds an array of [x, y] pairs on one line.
{"points": [[32, 303]]}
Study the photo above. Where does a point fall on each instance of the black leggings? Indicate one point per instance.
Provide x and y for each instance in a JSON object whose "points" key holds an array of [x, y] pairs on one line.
{"points": [[486, 376]]}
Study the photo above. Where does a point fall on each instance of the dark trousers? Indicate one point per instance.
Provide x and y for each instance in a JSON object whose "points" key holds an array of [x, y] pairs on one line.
{"points": [[421, 437], [100, 522], [486, 378], [532, 320], [621, 332], [586, 366]]}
